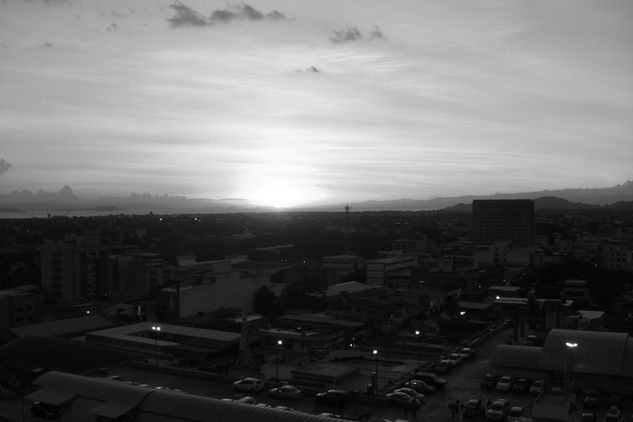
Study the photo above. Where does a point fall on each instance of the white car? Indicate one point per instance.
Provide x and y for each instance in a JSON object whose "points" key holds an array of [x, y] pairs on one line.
{"points": [[249, 384]]}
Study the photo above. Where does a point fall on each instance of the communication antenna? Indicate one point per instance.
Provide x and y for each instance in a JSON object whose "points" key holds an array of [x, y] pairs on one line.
{"points": [[347, 226]]}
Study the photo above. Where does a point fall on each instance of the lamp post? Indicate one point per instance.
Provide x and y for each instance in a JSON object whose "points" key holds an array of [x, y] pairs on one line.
{"points": [[279, 344], [417, 336], [571, 346], [375, 353], [156, 329]]}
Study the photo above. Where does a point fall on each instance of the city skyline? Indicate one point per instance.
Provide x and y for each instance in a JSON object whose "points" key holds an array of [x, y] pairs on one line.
{"points": [[318, 103]]}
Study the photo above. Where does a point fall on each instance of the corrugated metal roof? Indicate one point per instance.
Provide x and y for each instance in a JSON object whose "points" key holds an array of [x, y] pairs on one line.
{"points": [[102, 397], [597, 352], [53, 397], [113, 410], [178, 407], [524, 357], [628, 359], [115, 398], [80, 408]]}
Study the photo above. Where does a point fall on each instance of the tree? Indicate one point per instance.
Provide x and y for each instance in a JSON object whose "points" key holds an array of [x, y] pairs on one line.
{"points": [[265, 302]]}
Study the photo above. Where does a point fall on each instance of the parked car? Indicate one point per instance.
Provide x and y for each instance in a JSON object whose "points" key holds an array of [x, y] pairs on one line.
{"points": [[473, 408], [289, 392], [332, 398], [410, 391], [402, 399], [615, 399], [455, 359], [468, 352], [247, 400], [504, 383], [488, 382], [431, 379], [613, 414], [587, 417], [520, 386], [591, 399], [443, 366], [498, 410], [515, 412], [43, 410], [537, 387], [249, 384], [532, 340], [420, 387]]}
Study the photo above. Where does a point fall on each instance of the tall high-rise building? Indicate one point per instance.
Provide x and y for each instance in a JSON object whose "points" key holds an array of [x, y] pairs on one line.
{"points": [[505, 220], [75, 269]]}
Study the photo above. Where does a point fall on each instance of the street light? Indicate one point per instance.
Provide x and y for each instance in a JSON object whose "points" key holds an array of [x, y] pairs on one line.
{"points": [[279, 344], [375, 353], [156, 329], [571, 346], [417, 336]]}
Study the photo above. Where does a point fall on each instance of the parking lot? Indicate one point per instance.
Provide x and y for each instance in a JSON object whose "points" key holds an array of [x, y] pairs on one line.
{"points": [[463, 384]]}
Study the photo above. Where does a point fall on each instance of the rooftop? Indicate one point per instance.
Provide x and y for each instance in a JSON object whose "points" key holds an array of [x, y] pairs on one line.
{"points": [[128, 332], [347, 287], [64, 326]]}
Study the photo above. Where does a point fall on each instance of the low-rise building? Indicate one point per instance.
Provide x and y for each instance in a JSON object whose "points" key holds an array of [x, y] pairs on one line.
{"points": [[575, 359], [17, 306]]}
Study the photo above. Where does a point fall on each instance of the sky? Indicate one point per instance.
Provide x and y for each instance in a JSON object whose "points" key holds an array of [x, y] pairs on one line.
{"points": [[340, 101]]}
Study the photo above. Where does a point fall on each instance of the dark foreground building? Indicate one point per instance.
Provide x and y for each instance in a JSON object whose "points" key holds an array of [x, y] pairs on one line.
{"points": [[79, 399]]}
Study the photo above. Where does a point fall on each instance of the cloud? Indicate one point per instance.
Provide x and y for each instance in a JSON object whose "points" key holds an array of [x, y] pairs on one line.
{"points": [[244, 12], [351, 34], [275, 15], [186, 16], [346, 35], [4, 166], [376, 33], [49, 2]]}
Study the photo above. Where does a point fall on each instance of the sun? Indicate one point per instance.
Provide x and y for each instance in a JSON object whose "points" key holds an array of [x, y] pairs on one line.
{"points": [[280, 192], [280, 185]]}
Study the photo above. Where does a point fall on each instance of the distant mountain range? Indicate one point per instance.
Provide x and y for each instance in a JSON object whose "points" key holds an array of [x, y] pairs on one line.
{"points": [[547, 199], [65, 201], [556, 203]]}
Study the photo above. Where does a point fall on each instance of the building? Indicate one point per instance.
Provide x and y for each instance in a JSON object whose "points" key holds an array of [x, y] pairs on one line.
{"points": [[510, 220], [385, 271], [576, 290], [85, 399], [75, 269], [24, 359], [338, 267], [174, 343], [575, 359], [203, 287], [65, 328], [138, 275], [17, 306]]}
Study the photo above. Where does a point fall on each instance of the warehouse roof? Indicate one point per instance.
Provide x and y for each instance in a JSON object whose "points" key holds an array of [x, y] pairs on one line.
{"points": [[597, 352], [86, 398]]}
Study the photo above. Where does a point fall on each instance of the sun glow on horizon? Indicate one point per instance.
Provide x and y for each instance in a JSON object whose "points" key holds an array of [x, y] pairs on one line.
{"points": [[280, 180]]}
